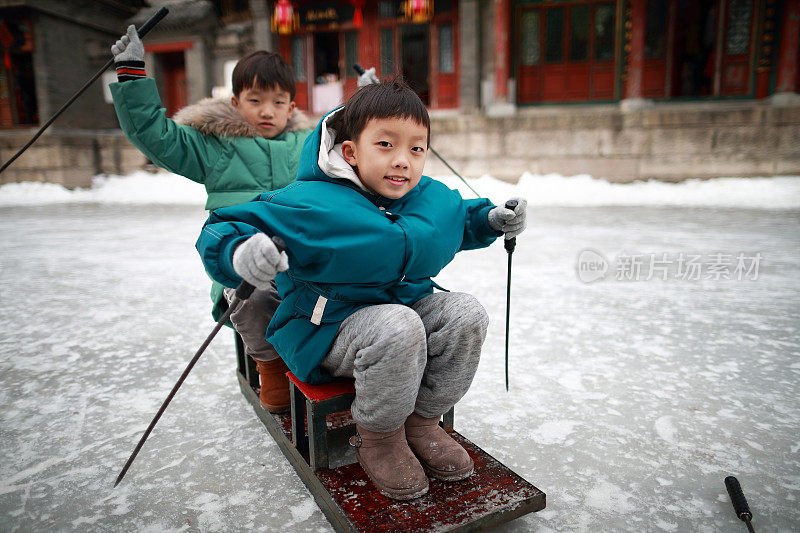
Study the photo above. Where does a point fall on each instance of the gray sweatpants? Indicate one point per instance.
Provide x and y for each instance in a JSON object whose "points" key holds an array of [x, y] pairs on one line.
{"points": [[251, 319], [409, 359]]}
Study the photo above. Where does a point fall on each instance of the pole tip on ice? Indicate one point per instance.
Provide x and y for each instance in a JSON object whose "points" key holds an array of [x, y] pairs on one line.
{"points": [[738, 500]]}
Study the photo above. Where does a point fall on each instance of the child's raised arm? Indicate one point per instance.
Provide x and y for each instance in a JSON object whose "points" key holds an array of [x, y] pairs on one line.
{"points": [[179, 149]]}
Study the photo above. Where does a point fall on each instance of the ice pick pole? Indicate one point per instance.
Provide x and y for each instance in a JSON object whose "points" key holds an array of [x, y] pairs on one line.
{"points": [[509, 245], [243, 292]]}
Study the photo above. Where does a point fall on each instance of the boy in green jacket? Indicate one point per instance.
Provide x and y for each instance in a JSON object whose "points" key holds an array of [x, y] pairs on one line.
{"points": [[237, 149], [365, 232]]}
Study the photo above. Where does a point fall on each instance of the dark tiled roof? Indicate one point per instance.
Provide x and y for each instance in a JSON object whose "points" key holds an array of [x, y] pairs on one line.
{"points": [[183, 14]]}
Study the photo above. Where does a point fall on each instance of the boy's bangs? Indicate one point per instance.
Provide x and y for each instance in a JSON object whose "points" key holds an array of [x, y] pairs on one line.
{"points": [[404, 105], [261, 83], [263, 70], [391, 99]]}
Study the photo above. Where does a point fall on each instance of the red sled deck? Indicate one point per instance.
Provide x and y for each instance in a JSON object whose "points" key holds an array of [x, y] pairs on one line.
{"points": [[313, 437]]}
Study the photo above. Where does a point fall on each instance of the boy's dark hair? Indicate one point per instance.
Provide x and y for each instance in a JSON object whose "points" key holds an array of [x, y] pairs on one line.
{"points": [[387, 99], [262, 70]]}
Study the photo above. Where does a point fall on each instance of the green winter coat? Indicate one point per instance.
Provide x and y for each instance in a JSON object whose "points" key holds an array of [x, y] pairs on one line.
{"points": [[210, 143]]}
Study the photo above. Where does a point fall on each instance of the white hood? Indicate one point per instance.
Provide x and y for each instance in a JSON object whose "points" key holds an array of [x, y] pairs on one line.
{"points": [[331, 161]]}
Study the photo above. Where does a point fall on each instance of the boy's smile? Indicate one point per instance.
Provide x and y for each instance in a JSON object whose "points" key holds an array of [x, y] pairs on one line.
{"points": [[389, 155], [266, 109]]}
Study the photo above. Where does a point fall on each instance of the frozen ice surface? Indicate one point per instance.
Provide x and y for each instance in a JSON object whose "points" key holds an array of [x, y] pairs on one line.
{"points": [[630, 401]]}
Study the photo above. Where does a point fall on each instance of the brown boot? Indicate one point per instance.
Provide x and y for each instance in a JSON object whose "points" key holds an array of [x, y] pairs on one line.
{"points": [[274, 385], [442, 457], [389, 463]]}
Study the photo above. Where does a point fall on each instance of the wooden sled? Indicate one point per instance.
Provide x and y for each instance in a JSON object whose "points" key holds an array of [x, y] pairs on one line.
{"points": [[313, 435]]}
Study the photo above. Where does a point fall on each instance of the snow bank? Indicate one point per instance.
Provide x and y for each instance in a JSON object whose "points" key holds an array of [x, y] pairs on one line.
{"points": [[542, 190], [138, 188], [584, 190]]}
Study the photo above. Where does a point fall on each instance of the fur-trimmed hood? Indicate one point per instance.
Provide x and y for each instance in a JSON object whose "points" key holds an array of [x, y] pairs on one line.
{"points": [[217, 116]]}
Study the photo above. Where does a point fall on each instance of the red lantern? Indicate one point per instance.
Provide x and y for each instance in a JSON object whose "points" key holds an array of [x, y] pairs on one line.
{"points": [[284, 19], [418, 10], [358, 16]]}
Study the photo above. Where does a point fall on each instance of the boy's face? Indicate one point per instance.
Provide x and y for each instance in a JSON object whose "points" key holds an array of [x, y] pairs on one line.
{"points": [[389, 155], [266, 109]]}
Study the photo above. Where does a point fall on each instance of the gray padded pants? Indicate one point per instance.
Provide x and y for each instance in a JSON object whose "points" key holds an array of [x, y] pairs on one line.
{"points": [[409, 359], [251, 318]]}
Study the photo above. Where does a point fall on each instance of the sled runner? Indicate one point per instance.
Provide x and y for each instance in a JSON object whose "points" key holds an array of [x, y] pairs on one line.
{"points": [[313, 434]]}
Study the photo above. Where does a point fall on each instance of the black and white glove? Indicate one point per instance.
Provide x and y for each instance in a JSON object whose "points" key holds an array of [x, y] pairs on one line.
{"points": [[129, 47], [512, 223], [257, 260], [368, 78]]}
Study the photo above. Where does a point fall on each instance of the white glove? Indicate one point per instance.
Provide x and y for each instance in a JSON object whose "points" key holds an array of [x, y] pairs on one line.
{"points": [[129, 47], [257, 260], [368, 78], [512, 223]]}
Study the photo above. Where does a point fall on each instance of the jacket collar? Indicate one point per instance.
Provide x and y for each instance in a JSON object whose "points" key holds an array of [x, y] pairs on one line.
{"points": [[217, 116], [330, 158]]}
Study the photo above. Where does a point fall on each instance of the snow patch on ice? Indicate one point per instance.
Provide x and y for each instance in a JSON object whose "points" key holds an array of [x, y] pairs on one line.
{"points": [[665, 429], [553, 431], [608, 497], [755, 445], [665, 526], [571, 379], [303, 511], [161, 528]]}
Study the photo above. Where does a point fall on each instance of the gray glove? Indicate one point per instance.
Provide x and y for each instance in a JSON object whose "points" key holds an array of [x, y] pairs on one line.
{"points": [[257, 260], [512, 223], [129, 47], [368, 78]]}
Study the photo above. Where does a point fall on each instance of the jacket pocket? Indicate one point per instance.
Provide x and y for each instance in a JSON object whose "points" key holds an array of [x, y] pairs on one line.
{"points": [[320, 309]]}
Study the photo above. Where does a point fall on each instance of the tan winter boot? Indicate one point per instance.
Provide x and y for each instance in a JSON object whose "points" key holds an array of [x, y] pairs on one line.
{"points": [[389, 463], [442, 457], [274, 385]]}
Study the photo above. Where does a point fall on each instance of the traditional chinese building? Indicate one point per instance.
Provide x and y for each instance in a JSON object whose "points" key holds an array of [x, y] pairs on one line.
{"points": [[621, 89], [529, 52]]}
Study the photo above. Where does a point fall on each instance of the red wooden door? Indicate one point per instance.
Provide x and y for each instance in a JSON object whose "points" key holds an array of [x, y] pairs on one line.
{"points": [[444, 64], [414, 54], [293, 50], [739, 27], [349, 45], [176, 95], [565, 76], [603, 50], [566, 53], [529, 58], [659, 15]]}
